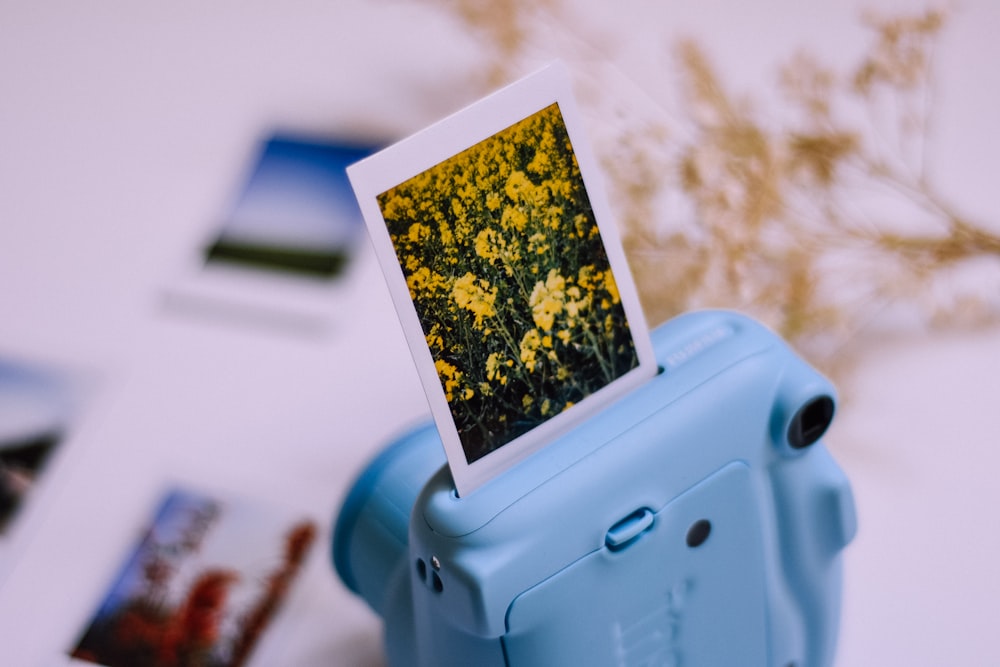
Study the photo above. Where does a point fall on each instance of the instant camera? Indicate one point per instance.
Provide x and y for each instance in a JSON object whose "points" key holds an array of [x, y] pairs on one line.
{"points": [[699, 520]]}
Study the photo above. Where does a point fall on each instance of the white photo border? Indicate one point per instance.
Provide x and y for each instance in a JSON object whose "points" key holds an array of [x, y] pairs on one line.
{"points": [[422, 151]]}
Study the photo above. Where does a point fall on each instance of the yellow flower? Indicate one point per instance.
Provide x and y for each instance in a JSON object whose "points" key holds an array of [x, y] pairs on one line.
{"points": [[518, 187], [417, 232], [450, 377], [529, 344], [485, 244], [540, 163], [531, 340], [417, 281], [547, 300], [576, 305], [542, 194], [393, 205], [493, 367], [434, 341], [513, 218], [445, 233], [611, 286], [475, 296], [423, 281]]}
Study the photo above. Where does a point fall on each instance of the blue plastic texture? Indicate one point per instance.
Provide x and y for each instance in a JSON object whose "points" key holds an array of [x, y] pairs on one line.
{"points": [[699, 521]]}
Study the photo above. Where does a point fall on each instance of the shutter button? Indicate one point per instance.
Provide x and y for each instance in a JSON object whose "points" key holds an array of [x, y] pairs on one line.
{"points": [[628, 529]]}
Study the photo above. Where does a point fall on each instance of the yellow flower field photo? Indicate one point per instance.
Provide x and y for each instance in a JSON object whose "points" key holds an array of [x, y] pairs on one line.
{"points": [[510, 280]]}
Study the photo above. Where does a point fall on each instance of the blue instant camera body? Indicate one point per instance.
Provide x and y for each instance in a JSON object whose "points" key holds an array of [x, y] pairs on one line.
{"points": [[696, 521]]}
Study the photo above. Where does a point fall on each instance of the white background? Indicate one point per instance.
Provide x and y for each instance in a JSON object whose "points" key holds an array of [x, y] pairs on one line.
{"points": [[124, 128]]}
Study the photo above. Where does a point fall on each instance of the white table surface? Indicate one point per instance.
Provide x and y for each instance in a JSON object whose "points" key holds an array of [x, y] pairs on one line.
{"points": [[123, 128]]}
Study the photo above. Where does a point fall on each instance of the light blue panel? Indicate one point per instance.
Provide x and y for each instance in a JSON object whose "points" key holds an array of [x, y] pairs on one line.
{"points": [[700, 605]]}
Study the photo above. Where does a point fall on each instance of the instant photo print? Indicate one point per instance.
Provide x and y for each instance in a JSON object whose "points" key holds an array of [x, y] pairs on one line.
{"points": [[695, 519], [39, 406], [201, 587], [285, 241], [507, 273]]}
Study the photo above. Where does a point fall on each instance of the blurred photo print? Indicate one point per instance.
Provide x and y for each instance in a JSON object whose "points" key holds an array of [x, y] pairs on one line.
{"points": [[200, 587], [37, 408], [286, 240], [296, 213]]}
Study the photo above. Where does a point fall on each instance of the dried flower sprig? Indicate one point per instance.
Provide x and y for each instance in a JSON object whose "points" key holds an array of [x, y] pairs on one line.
{"points": [[819, 217], [505, 29]]}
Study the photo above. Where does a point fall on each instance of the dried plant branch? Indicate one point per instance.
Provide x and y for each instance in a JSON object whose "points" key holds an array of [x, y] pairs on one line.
{"points": [[504, 27], [813, 223]]}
